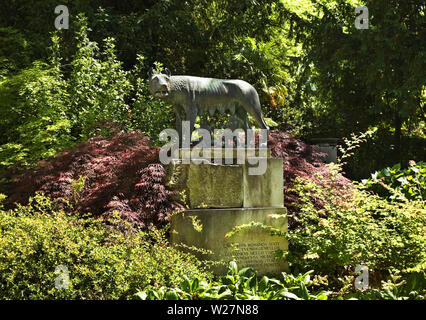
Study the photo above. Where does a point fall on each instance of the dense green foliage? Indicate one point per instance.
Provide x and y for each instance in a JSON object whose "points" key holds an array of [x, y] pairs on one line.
{"points": [[341, 229], [34, 124], [241, 284], [411, 182], [104, 261], [42, 113], [366, 77]]}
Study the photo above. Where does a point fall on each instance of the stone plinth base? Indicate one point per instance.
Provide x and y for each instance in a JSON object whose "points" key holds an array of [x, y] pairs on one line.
{"points": [[252, 245], [209, 185]]}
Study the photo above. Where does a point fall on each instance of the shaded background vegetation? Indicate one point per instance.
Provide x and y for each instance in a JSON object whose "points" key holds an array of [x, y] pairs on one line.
{"points": [[317, 75]]}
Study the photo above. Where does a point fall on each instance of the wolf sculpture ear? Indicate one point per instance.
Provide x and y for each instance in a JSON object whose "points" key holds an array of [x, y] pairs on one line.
{"points": [[151, 72], [167, 71]]}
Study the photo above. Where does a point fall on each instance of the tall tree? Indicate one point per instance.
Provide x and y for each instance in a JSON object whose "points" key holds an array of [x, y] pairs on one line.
{"points": [[373, 76]]}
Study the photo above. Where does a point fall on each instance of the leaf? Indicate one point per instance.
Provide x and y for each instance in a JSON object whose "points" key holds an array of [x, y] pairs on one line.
{"points": [[251, 283], [186, 285], [307, 277], [322, 296], [158, 295], [270, 122], [390, 294], [226, 294], [289, 295], [263, 284], [142, 295], [304, 292], [172, 295], [233, 267], [403, 180], [194, 285], [277, 282], [203, 285], [246, 272]]}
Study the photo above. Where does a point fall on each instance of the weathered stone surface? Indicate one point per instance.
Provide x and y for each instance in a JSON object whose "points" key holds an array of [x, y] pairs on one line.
{"points": [[264, 190], [223, 197], [215, 186], [177, 175], [176, 178], [251, 247], [208, 185]]}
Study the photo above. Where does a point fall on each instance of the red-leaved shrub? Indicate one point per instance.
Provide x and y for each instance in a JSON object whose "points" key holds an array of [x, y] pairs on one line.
{"points": [[121, 174]]}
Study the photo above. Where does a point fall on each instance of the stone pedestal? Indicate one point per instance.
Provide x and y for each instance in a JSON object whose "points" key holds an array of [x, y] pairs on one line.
{"points": [[253, 246], [236, 215]]}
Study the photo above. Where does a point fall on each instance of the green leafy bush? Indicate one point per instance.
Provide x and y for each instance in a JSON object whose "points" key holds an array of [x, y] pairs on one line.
{"points": [[239, 285], [149, 114], [52, 105], [411, 182], [13, 50], [33, 116], [338, 230], [379, 152], [104, 261], [398, 287], [99, 87]]}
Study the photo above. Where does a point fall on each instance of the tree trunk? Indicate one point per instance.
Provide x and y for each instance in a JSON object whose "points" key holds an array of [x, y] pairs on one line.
{"points": [[397, 138]]}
